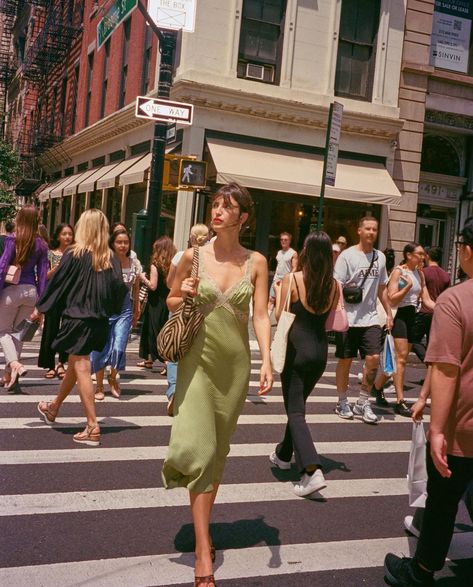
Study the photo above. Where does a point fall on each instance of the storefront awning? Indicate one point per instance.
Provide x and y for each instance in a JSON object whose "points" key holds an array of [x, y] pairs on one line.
{"points": [[43, 193], [58, 187], [88, 185], [294, 172], [76, 180], [110, 178], [136, 174]]}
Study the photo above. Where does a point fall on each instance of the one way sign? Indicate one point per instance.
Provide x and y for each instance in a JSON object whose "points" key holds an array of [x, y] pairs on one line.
{"points": [[156, 109]]}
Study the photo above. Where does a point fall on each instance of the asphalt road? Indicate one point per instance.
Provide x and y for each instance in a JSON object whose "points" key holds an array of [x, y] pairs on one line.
{"points": [[72, 515]]}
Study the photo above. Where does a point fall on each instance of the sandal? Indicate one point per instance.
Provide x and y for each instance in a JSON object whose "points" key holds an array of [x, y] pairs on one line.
{"points": [[50, 374], [114, 386], [99, 393], [163, 371], [145, 364], [89, 436], [60, 371], [44, 408], [205, 581]]}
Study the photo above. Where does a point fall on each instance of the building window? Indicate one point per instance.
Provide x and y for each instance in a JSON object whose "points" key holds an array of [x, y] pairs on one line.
{"points": [[82, 166], [98, 161], [62, 107], [146, 77], [261, 38], [439, 156], [357, 49], [90, 73], [144, 147], [126, 43], [105, 78], [117, 156]]}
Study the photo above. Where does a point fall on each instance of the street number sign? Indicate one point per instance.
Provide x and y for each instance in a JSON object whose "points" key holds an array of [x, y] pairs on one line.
{"points": [[176, 15], [115, 15], [165, 110]]}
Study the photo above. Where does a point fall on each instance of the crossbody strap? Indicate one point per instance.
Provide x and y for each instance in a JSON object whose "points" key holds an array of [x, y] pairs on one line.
{"points": [[373, 259]]}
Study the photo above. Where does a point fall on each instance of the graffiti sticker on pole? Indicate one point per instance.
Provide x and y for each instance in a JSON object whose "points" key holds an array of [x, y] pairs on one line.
{"points": [[173, 14]]}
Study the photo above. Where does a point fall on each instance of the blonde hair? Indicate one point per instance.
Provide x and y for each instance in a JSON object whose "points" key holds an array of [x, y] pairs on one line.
{"points": [[199, 235], [91, 234]]}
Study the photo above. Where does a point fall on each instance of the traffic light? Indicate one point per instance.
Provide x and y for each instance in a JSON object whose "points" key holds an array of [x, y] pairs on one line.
{"points": [[184, 173]]}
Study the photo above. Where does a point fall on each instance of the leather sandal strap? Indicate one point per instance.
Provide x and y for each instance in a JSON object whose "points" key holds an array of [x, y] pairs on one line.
{"points": [[204, 580]]}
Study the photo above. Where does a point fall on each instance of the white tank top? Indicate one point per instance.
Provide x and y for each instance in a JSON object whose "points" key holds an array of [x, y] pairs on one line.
{"points": [[413, 294]]}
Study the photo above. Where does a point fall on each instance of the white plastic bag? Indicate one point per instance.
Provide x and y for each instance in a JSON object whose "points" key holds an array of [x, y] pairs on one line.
{"points": [[417, 470], [388, 356]]}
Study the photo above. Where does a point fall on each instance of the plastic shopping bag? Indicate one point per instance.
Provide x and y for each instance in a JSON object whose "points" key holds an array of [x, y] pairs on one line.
{"points": [[388, 356], [417, 471]]}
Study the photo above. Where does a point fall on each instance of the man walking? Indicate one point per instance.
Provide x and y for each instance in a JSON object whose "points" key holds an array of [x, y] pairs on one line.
{"points": [[436, 280], [450, 447], [364, 267], [287, 262]]}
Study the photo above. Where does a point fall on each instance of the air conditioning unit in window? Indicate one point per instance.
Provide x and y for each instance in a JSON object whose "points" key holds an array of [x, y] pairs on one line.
{"points": [[263, 73]]}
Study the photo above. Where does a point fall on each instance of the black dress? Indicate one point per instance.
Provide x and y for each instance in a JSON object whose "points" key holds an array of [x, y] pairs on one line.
{"points": [[85, 299], [155, 316]]}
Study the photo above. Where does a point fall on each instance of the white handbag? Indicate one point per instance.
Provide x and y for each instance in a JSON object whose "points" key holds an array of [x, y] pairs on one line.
{"points": [[279, 346], [417, 471]]}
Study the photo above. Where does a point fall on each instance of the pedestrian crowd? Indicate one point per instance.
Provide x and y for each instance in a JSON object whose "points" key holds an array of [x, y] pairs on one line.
{"points": [[89, 289]]}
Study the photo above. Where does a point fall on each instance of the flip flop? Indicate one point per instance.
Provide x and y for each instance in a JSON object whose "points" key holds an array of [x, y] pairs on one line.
{"points": [[145, 364], [60, 371], [50, 374]]}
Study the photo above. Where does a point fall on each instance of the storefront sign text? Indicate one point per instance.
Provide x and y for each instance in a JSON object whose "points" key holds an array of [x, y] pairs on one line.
{"points": [[451, 32]]}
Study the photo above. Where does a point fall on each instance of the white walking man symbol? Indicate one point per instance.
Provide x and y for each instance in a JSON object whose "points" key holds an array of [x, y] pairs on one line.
{"points": [[187, 174]]}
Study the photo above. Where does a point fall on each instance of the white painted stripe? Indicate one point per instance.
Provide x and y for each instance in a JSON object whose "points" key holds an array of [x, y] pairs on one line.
{"points": [[144, 453], [258, 561], [144, 421], [158, 497]]}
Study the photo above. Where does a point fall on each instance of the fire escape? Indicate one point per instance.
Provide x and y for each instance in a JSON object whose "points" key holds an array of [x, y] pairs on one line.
{"points": [[8, 10]]}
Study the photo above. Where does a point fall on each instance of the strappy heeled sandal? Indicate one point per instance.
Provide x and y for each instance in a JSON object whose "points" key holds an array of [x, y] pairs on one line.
{"points": [[48, 416], [204, 581], [99, 393], [114, 385], [89, 436]]}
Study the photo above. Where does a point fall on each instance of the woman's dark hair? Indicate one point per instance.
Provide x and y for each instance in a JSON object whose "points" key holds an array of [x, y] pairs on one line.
{"points": [[466, 233], [9, 226], [117, 225], [54, 243], [113, 237], [240, 194], [409, 248], [316, 263], [390, 259], [26, 231], [435, 254]]}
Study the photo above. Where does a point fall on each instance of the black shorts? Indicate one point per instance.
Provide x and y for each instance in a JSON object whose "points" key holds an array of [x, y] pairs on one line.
{"points": [[365, 339], [404, 323]]}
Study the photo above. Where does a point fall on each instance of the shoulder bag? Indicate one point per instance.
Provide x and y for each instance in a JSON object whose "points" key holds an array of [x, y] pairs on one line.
{"points": [[337, 320], [178, 334], [279, 346], [353, 294], [13, 275]]}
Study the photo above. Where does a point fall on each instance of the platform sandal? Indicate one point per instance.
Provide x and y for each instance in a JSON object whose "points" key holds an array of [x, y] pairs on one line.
{"points": [[90, 436], [205, 581], [44, 408], [99, 393]]}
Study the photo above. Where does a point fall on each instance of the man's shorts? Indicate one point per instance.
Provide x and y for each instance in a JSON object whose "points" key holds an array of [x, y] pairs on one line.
{"points": [[367, 340]]}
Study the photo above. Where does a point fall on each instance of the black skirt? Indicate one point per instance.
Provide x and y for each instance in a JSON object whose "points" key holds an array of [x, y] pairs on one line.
{"points": [[78, 336]]}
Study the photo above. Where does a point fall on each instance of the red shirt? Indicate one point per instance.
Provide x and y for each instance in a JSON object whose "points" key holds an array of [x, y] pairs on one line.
{"points": [[437, 280]]}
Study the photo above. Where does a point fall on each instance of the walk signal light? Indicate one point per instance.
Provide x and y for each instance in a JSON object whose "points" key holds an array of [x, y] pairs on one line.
{"points": [[183, 173]]}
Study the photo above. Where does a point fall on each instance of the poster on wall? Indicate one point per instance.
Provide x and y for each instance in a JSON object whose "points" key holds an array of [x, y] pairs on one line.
{"points": [[451, 32]]}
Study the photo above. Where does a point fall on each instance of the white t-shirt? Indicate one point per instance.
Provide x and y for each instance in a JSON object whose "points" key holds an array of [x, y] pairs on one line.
{"points": [[284, 259], [350, 269], [177, 257]]}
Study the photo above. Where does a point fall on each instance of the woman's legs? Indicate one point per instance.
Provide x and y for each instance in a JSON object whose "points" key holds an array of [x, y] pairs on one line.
{"points": [[86, 387], [201, 507], [99, 392], [401, 346], [66, 386]]}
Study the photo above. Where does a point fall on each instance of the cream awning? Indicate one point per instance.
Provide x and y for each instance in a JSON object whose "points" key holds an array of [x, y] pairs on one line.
{"points": [[136, 174], [58, 187], [88, 185], [283, 170], [109, 179], [43, 195], [76, 180]]}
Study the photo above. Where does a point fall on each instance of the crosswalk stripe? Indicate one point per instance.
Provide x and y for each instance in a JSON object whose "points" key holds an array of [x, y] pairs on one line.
{"points": [[157, 497], [146, 421], [257, 561], [144, 453]]}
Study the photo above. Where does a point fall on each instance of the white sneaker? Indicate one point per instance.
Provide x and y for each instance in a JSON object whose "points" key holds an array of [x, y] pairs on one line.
{"points": [[280, 464], [364, 410], [310, 483], [390, 389], [409, 526], [343, 410], [360, 377]]}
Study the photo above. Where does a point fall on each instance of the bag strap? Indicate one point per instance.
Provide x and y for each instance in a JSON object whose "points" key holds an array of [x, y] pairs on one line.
{"points": [[287, 302], [195, 262], [297, 287], [373, 259]]}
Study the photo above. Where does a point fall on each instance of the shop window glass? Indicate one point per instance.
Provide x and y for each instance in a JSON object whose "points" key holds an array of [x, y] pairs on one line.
{"points": [[114, 205], [439, 156], [356, 55]]}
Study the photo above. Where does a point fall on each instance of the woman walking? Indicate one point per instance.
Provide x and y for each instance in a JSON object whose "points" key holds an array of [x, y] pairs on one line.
{"points": [[313, 292], [213, 377], [63, 237], [88, 288], [156, 312], [27, 251], [406, 286], [119, 325]]}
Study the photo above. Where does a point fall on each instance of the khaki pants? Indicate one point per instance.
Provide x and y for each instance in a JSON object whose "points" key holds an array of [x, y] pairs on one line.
{"points": [[17, 303]]}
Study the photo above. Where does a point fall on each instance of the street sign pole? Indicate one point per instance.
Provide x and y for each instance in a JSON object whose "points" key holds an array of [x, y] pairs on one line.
{"points": [[331, 155]]}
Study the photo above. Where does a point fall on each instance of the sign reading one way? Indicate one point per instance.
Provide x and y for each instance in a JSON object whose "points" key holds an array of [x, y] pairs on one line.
{"points": [[156, 109]]}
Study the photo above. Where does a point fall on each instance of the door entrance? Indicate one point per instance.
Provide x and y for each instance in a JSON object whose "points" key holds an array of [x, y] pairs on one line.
{"points": [[430, 232]]}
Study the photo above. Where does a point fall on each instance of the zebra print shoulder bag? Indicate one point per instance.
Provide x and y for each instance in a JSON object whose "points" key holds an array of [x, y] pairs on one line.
{"points": [[177, 335]]}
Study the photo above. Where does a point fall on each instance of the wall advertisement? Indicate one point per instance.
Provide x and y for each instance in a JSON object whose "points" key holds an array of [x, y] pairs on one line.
{"points": [[451, 33]]}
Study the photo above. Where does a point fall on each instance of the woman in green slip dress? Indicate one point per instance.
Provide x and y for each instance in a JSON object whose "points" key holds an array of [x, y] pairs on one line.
{"points": [[213, 377]]}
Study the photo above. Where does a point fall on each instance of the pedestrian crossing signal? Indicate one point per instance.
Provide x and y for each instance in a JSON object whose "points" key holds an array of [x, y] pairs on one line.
{"points": [[184, 173]]}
